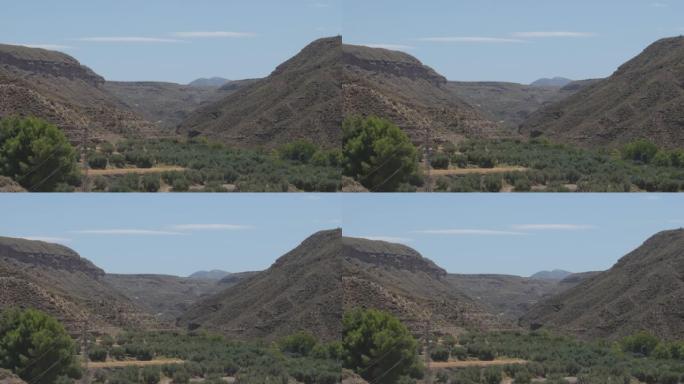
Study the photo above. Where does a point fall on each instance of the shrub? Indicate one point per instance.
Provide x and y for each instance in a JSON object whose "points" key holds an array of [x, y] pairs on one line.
{"points": [[299, 150], [36, 154], [370, 334], [151, 183], [36, 346], [150, 375], [300, 343], [97, 161], [642, 343], [97, 353], [117, 160], [522, 377], [440, 161], [377, 153], [181, 377], [441, 353], [181, 185], [492, 183], [640, 150]]}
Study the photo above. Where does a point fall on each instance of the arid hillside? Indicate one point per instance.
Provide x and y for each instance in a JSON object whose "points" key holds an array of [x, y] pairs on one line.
{"points": [[643, 291], [301, 99], [398, 87], [57, 88], [55, 279], [644, 98]]}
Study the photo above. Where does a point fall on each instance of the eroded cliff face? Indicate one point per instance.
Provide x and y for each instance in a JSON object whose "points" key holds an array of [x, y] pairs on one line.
{"points": [[46, 255], [47, 63], [398, 87]]}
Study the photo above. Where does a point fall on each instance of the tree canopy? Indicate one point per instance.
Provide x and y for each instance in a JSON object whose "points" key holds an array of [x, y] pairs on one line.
{"points": [[36, 347], [377, 153], [36, 154], [378, 346]]}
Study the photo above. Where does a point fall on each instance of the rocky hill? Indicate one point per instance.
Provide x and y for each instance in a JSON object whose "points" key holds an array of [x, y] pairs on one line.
{"points": [[310, 287], [644, 98], [301, 99], [214, 274], [397, 279], [397, 86], [643, 291], [302, 290], [551, 82], [56, 280], [210, 82], [57, 88], [167, 297], [556, 274], [510, 104]]}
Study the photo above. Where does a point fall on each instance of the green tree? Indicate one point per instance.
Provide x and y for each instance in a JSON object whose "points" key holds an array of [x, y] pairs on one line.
{"points": [[299, 150], [36, 154], [377, 153], [640, 150], [378, 346], [301, 343], [36, 347]]}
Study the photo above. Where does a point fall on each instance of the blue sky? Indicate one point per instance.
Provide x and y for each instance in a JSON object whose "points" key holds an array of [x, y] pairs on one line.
{"points": [[172, 40], [180, 40], [515, 234], [519, 40], [463, 233], [171, 234]]}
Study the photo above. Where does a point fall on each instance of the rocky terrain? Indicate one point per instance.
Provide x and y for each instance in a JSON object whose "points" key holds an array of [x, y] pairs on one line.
{"points": [[397, 86], [510, 104], [302, 290], [57, 88], [214, 274], [301, 99], [644, 98], [397, 279], [555, 275], [551, 82], [209, 82], [55, 279], [643, 291]]}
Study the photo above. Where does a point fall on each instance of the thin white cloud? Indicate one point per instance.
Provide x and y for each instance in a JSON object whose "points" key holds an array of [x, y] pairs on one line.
{"points": [[470, 39], [552, 227], [391, 47], [47, 239], [50, 47], [213, 34], [128, 39], [545, 34], [470, 232], [210, 227], [389, 239], [127, 232]]}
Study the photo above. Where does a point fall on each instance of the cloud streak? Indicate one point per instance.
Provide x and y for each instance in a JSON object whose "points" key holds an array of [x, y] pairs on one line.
{"points": [[210, 227], [128, 39], [470, 39], [213, 34], [552, 227], [547, 34], [128, 232], [469, 232]]}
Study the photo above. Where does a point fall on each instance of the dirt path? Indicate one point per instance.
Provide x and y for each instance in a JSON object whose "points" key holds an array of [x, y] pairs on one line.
{"points": [[476, 171], [467, 364], [138, 171], [119, 364]]}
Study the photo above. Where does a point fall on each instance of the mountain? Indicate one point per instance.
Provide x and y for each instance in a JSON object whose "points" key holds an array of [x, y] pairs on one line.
{"points": [[56, 87], [165, 104], [311, 286], [301, 99], [509, 104], [56, 280], [553, 82], [556, 275], [212, 82], [644, 98], [643, 291], [302, 290], [397, 86], [509, 297], [214, 274], [397, 279], [167, 297]]}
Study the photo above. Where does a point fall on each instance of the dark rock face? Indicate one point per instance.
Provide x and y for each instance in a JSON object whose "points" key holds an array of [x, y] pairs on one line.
{"points": [[41, 254], [643, 291], [643, 99], [67, 67]]}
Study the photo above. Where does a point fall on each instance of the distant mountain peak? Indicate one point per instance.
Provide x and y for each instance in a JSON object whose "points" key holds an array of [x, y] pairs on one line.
{"points": [[552, 82], [214, 274], [209, 82], [556, 274]]}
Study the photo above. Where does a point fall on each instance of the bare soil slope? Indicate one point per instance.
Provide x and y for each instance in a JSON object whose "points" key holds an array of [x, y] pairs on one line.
{"points": [[301, 99], [397, 86], [56, 87], [644, 98], [643, 291]]}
